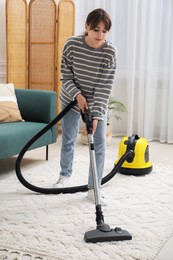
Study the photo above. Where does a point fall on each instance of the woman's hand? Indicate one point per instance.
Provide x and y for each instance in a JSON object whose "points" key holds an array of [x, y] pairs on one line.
{"points": [[95, 123], [82, 103]]}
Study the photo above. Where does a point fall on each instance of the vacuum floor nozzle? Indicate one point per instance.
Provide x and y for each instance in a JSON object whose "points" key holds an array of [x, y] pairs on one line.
{"points": [[116, 234]]}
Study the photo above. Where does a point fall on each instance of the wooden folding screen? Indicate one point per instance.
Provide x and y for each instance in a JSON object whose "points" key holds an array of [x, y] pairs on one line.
{"points": [[16, 42], [36, 34]]}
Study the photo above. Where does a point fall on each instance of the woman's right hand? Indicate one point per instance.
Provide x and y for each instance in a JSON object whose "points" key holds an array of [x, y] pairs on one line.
{"points": [[82, 103]]}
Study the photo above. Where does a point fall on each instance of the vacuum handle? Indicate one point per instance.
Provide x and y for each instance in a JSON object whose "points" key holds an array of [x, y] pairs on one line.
{"points": [[87, 118]]}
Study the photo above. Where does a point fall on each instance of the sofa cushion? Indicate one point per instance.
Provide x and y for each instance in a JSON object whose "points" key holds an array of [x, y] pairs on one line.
{"points": [[9, 111], [15, 135]]}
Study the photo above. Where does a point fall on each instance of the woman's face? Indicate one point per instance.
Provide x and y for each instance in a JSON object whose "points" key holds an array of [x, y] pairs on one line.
{"points": [[96, 37]]}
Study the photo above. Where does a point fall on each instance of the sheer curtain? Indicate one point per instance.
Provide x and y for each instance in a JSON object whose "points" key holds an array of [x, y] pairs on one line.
{"points": [[143, 34]]}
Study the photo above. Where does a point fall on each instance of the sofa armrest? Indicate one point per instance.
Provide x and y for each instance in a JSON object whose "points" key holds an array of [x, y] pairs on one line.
{"points": [[37, 105]]}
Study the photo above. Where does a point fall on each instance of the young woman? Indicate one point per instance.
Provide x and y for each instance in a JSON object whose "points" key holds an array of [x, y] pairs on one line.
{"points": [[88, 69]]}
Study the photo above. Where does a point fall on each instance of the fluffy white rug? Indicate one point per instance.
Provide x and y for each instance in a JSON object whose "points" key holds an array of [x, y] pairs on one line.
{"points": [[36, 226]]}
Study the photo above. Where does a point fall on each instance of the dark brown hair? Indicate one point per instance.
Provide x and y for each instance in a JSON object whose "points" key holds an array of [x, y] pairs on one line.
{"points": [[97, 16]]}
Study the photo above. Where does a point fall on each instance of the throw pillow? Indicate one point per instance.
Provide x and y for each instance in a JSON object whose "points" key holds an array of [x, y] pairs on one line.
{"points": [[9, 110]]}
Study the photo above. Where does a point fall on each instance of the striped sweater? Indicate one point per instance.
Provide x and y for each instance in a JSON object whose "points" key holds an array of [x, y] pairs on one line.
{"points": [[88, 71]]}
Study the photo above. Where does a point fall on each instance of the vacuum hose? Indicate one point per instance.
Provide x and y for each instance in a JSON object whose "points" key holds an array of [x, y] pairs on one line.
{"points": [[74, 189]]}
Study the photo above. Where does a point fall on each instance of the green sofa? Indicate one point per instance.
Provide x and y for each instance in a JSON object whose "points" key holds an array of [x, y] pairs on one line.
{"points": [[37, 108]]}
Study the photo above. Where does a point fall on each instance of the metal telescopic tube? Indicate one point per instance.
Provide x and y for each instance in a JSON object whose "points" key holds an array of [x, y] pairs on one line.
{"points": [[94, 169]]}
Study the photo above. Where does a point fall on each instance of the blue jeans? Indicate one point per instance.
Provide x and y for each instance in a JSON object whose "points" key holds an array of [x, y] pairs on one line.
{"points": [[70, 129]]}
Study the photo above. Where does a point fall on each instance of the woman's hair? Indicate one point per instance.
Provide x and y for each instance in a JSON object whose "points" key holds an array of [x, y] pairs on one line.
{"points": [[97, 16]]}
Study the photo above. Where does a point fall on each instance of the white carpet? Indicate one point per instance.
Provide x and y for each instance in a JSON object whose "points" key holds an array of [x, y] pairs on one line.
{"points": [[36, 226]]}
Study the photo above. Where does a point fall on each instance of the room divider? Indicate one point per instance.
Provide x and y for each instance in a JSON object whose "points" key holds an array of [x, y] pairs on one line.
{"points": [[36, 31]]}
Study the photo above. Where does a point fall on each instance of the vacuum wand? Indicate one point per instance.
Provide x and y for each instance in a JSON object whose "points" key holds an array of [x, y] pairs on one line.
{"points": [[88, 119], [103, 232], [94, 169]]}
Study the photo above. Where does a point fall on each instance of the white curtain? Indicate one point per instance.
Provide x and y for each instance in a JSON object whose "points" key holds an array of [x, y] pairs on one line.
{"points": [[143, 34]]}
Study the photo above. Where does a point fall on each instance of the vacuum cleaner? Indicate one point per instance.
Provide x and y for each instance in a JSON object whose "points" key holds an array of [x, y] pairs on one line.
{"points": [[102, 232], [139, 163]]}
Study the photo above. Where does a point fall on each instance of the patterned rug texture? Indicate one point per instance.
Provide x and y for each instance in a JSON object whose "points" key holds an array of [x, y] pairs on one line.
{"points": [[51, 227]]}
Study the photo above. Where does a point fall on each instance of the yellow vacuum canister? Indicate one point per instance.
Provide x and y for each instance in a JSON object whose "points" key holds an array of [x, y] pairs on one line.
{"points": [[139, 163]]}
